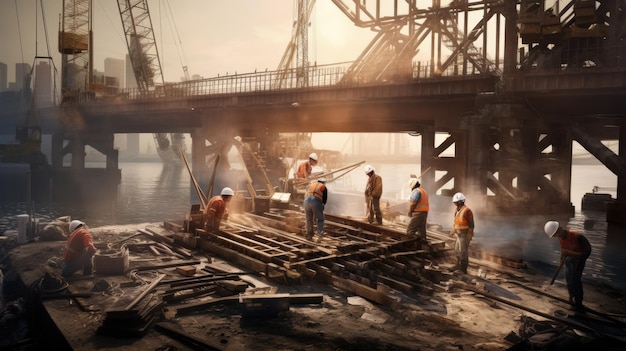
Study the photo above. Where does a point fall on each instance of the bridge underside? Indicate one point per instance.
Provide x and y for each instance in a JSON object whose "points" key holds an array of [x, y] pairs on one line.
{"points": [[510, 153]]}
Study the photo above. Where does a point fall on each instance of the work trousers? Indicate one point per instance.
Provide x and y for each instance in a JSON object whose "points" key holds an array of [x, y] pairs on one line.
{"points": [[84, 261], [461, 247], [417, 224], [313, 209], [573, 269], [374, 210]]}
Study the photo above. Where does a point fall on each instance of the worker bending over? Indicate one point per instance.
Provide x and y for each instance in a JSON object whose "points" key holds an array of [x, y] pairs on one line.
{"points": [[78, 250], [575, 249], [314, 202], [216, 210]]}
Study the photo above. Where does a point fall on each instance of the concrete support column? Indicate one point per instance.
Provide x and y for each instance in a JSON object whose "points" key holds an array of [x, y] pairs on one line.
{"points": [[427, 166], [57, 150], [477, 161], [510, 37], [113, 159], [78, 153], [621, 178], [562, 176], [198, 164]]}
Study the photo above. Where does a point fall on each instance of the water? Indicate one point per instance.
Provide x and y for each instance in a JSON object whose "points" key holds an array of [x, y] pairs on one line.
{"points": [[151, 193]]}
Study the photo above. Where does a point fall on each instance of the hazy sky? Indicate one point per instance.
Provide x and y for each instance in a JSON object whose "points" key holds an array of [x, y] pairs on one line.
{"points": [[210, 37]]}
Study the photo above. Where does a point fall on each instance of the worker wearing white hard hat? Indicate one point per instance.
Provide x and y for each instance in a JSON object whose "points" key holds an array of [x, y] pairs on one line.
{"points": [[463, 229], [418, 210], [306, 167], [373, 192], [78, 250], [575, 249], [216, 210], [314, 202]]}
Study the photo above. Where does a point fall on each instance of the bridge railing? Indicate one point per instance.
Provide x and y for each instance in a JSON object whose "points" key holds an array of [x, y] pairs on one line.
{"points": [[314, 77]]}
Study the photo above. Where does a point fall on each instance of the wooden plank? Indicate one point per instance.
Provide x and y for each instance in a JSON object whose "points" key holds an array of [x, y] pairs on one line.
{"points": [[179, 334], [366, 292]]}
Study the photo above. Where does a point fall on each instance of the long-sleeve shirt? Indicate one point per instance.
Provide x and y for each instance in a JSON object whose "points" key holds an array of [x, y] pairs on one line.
{"points": [[374, 186], [79, 241], [575, 244], [214, 212]]}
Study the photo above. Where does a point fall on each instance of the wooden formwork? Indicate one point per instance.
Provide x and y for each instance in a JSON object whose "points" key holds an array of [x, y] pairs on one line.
{"points": [[368, 260]]}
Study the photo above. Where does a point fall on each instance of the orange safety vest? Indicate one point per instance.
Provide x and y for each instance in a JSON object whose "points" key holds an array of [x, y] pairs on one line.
{"points": [[216, 207], [77, 242], [316, 189], [304, 170], [422, 204], [460, 221], [570, 246]]}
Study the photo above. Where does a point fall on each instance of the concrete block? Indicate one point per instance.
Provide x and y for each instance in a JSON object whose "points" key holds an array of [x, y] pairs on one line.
{"points": [[111, 262]]}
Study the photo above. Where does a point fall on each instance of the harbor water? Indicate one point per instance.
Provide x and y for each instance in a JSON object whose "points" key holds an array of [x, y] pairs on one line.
{"points": [[151, 192]]}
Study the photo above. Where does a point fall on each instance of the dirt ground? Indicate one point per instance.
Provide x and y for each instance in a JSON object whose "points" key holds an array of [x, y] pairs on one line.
{"points": [[487, 309]]}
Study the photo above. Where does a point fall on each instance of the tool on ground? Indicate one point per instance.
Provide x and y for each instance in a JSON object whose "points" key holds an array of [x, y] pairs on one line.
{"points": [[558, 269]]}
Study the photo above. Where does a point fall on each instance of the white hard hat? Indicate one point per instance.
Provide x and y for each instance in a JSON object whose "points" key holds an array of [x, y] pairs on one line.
{"points": [[413, 182], [227, 192], [458, 197], [368, 169], [75, 224], [313, 156], [550, 228]]}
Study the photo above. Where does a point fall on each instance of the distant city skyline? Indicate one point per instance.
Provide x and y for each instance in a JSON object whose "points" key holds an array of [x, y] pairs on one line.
{"points": [[210, 38]]}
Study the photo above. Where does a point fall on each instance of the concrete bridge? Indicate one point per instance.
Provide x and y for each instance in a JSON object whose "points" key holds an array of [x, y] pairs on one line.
{"points": [[510, 120]]}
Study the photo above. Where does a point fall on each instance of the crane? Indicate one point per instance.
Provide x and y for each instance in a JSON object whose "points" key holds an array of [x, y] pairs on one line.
{"points": [[298, 46], [146, 64]]}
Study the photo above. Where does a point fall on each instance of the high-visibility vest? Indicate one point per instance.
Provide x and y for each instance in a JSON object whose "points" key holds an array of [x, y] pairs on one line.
{"points": [[304, 170], [422, 204], [315, 189], [570, 246], [460, 222]]}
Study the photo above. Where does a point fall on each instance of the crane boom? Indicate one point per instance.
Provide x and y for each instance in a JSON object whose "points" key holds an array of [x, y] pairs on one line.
{"points": [[142, 48], [144, 58]]}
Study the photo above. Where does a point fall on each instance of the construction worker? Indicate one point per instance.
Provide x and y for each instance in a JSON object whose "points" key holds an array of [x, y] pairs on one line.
{"points": [[216, 210], [373, 192], [314, 202], [78, 250], [464, 231], [418, 210], [575, 249], [306, 168]]}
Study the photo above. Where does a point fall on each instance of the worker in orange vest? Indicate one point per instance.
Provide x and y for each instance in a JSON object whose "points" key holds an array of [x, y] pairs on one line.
{"points": [[464, 231], [306, 168], [418, 210], [575, 249], [78, 251], [216, 209], [314, 201]]}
